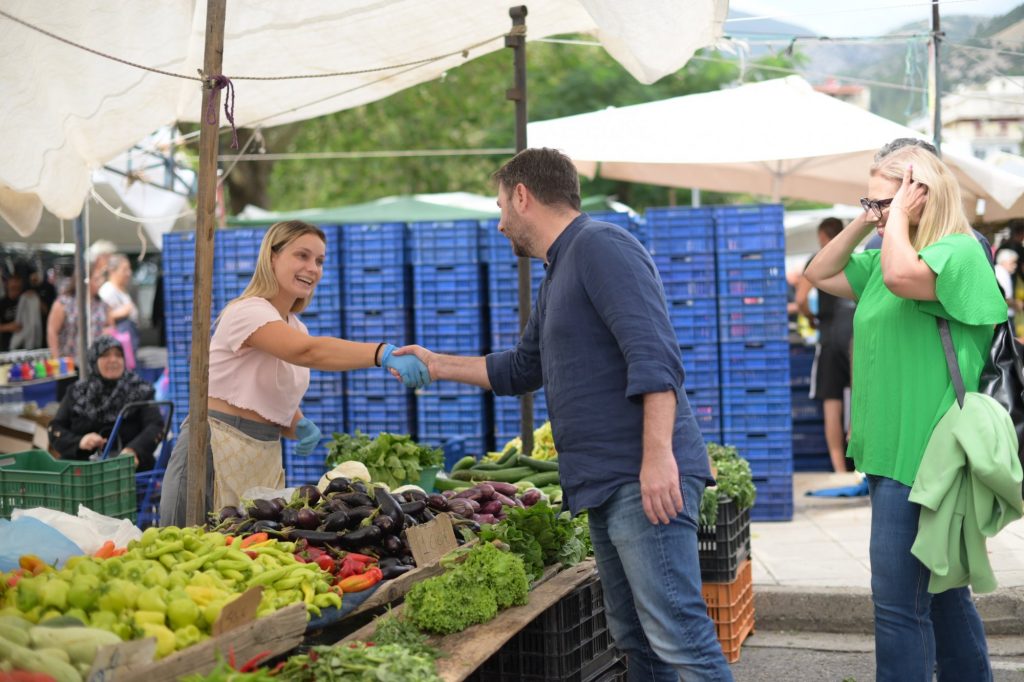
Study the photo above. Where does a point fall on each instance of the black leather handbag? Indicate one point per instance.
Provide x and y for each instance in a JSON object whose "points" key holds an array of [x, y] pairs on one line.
{"points": [[1002, 378]]}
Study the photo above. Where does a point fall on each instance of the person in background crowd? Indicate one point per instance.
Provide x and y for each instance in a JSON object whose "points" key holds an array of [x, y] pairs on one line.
{"points": [[830, 374], [21, 325], [1015, 242], [600, 341], [929, 265], [1007, 263], [44, 288], [260, 357], [114, 293], [62, 323], [86, 416]]}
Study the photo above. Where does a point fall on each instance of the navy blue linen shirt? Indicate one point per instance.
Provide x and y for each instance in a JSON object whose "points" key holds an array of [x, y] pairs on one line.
{"points": [[598, 339]]}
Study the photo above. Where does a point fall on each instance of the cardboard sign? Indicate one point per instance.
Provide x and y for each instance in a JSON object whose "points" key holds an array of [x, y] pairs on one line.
{"points": [[134, 653], [239, 612], [431, 541]]}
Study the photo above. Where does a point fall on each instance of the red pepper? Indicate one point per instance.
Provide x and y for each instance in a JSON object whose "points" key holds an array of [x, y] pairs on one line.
{"points": [[254, 538], [251, 664], [16, 575], [24, 676], [358, 583], [355, 564], [325, 562]]}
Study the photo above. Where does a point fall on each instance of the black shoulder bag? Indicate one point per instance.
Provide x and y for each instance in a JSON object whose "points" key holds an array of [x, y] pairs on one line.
{"points": [[1002, 378]]}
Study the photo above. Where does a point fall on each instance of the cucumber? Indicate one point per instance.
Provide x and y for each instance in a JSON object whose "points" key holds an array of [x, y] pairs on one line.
{"points": [[542, 478], [538, 464], [508, 456], [464, 463], [510, 475], [450, 484]]}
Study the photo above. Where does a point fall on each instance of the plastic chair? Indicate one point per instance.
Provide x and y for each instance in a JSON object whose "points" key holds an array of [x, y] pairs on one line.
{"points": [[147, 481]]}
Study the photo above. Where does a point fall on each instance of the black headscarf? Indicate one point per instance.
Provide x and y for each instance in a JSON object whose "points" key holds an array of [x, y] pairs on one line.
{"points": [[99, 399]]}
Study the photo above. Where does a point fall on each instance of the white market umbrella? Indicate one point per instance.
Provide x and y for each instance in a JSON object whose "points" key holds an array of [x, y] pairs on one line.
{"points": [[67, 112], [778, 138]]}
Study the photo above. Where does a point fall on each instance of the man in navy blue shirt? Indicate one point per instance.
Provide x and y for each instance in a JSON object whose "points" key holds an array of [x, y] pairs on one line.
{"points": [[600, 341]]}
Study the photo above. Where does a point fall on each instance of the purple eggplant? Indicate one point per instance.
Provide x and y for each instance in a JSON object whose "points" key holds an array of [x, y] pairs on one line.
{"points": [[484, 518], [263, 510], [307, 519], [486, 491], [414, 495], [530, 497], [506, 489], [339, 485], [493, 507], [337, 521], [308, 494], [468, 494], [506, 501], [438, 503], [414, 507], [392, 546], [359, 538], [461, 507], [356, 499], [385, 523], [290, 517], [389, 507]]}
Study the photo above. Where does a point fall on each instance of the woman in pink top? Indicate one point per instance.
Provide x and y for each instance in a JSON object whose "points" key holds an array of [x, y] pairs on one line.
{"points": [[260, 357]]}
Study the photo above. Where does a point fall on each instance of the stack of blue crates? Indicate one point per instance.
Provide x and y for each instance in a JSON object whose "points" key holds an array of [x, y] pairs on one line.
{"points": [[810, 449], [503, 299], [754, 350], [377, 300], [179, 262], [682, 241], [449, 306]]}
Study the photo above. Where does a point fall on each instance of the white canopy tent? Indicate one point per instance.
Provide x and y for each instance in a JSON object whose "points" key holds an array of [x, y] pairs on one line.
{"points": [[67, 112], [779, 138]]}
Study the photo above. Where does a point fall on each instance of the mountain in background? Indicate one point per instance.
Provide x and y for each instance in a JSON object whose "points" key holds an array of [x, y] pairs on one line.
{"points": [[903, 62]]}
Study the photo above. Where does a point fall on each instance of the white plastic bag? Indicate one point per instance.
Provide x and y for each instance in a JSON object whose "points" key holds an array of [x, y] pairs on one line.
{"points": [[89, 530]]}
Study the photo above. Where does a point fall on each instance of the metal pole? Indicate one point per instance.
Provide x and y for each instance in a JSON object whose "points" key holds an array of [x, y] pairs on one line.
{"points": [[936, 81], [205, 227], [516, 40], [83, 296]]}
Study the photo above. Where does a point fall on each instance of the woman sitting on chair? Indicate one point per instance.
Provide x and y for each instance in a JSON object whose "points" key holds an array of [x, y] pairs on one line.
{"points": [[87, 414]]}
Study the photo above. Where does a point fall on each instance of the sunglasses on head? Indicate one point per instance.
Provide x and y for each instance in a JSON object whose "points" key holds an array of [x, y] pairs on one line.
{"points": [[876, 206]]}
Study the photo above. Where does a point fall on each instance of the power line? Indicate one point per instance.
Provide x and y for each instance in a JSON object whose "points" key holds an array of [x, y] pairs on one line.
{"points": [[841, 11], [383, 154], [973, 48]]}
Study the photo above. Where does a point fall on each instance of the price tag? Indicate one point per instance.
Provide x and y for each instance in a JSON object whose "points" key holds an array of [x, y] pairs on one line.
{"points": [[133, 653], [239, 612], [431, 541]]}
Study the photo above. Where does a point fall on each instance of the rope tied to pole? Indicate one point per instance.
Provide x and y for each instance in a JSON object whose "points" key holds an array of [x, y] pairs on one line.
{"points": [[222, 82]]}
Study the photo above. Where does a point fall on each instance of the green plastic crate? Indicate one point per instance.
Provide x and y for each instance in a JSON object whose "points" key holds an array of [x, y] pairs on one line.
{"points": [[35, 479]]}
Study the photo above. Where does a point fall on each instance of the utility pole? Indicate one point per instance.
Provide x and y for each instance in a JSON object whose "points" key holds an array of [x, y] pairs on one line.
{"points": [[934, 88]]}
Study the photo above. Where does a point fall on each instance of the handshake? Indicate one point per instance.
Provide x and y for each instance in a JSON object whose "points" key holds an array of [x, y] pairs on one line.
{"points": [[409, 368]]}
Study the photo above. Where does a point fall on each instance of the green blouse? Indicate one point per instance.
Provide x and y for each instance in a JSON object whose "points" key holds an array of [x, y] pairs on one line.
{"points": [[901, 385]]}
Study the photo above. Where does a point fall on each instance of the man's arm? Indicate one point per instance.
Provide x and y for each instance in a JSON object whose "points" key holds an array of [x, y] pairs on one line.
{"points": [[659, 474], [465, 370]]}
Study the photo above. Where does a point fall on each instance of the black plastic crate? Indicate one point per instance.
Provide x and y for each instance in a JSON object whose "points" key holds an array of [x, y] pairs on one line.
{"points": [[569, 642], [724, 546]]}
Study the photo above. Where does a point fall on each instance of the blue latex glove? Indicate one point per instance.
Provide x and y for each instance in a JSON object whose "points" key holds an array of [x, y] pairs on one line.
{"points": [[412, 370], [309, 435]]}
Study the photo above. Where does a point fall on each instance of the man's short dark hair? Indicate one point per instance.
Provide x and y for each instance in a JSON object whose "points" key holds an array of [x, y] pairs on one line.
{"points": [[1016, 227], [900, 143], [831, 226], [548, 173]]}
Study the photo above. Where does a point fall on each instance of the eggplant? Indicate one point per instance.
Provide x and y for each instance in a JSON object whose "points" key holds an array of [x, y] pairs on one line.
{"points": [[484, 518], [493, 507], [448, 494], [337, 521], [339, 485], [389, 507], [486, 491], [426, 516], [468, 494], [318, 538], [307, 519], [357, 514], [361, 537], [385, 523], [507, 489], [290, 517], [393, 572], [266, 525], [530, 497], [263, 510], [308, 494], [414, 495], [392, 546], [400, 498], [229, 512], [437, 502], [461, 507], [507, 501], [356, 499], [408, 560], [389, 561], [409, 520], [360, 487], [414, 507]]}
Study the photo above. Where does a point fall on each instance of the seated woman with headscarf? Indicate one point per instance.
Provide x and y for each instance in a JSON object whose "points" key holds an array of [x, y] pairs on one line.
{"points": [[87, 414]]}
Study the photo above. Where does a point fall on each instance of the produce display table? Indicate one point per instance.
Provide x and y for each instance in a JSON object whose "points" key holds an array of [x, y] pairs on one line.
{"points": [[462, 653]]}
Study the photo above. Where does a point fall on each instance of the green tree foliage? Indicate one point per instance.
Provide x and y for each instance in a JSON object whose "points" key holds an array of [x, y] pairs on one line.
{"points": [[466, 108]]}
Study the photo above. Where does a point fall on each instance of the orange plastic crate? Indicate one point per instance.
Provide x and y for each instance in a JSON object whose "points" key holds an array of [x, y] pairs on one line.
{"points": [[731, 607]]}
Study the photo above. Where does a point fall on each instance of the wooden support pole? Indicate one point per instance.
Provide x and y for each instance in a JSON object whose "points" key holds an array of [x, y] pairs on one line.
{"points": [[201, 303]]}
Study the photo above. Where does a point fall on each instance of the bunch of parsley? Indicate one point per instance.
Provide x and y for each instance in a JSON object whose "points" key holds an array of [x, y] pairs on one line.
{"points": [[392, 459]]}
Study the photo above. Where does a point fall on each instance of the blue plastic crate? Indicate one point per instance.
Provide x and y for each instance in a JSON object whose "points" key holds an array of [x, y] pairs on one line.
{"points": [[801, 360], [228, 286], [437, 285], [706, 407], [304, 469], [323, 322], [375, 286], [694, 319], [752, 273], [680, 230], [385, 324], [373, 244], [748, 408], [326, 297], [755, 363], [765, 444], [819, 461], [687, 275], [504, 327], [804, 408], [326, 383], [503, 282], [620, 218], [774, 501], [373, 381], [469, 444], [507, 414], [752, 317], [375, 413], [749, 228], [494, 246], [461, 414], [237, 250], [455, 241], [325, 409], [700, 361], [809, 438], [450, 330]]}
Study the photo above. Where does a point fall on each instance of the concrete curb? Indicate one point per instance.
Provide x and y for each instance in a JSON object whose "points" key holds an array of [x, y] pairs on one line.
{"points": [[849, 609]]}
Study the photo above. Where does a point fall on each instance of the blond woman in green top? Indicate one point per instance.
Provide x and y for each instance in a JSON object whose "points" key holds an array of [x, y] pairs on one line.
{"points": [[929, 265]]}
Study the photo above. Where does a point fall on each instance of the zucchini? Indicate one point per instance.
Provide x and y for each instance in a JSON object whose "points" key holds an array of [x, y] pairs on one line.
{"points": [[538, 464], [501, 475], [542, 478], [450, 484], [464, 463], [508, 456]]}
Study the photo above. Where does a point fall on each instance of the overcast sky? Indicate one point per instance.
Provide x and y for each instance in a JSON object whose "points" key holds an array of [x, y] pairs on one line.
{"points": [[861, 17]]}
